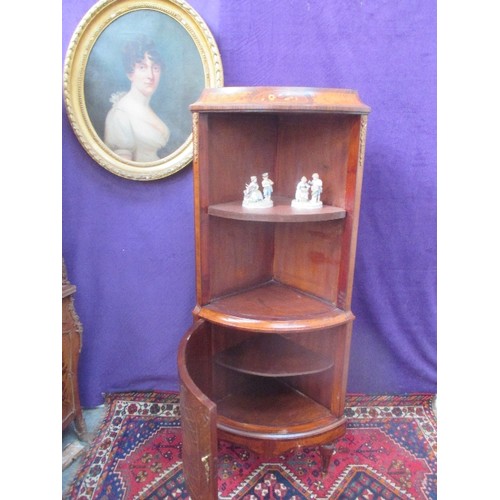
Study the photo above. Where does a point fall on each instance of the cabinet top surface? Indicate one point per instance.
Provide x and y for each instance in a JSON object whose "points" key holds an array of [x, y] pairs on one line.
{"points": [[292, 99]]}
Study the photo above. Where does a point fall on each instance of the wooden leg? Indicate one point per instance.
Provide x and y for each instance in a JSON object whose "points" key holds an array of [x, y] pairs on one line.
{"points": [[80, 427], [327, 451]]}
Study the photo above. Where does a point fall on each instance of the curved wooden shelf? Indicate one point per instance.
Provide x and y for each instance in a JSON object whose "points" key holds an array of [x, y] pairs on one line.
{"points": [[273, 307], [282, 211], [270, 409], [272, 356]]}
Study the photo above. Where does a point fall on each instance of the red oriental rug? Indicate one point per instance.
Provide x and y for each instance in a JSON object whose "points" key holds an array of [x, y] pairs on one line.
{"points": [[388, 452]]}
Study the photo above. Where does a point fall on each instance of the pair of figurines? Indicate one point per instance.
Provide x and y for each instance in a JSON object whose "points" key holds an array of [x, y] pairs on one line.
{"points": [[308, 193], [253, 197]]}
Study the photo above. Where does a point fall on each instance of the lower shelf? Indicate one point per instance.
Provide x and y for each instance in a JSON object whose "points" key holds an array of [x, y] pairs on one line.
{"points": [[270, 409], [272, 356]]}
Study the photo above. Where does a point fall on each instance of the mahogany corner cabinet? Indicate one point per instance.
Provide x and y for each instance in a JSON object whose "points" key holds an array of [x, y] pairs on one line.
{"points": [[265, 363]]}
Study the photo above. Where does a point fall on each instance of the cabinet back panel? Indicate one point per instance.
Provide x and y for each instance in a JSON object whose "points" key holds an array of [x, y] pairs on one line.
{"points": [[307, 257], [287, 146], [328, 387], [314, 143], [241, 255], [241, 145], [318, 386], [226, 381]]}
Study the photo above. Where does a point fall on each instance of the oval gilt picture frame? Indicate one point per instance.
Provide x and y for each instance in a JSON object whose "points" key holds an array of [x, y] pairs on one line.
{"points": [[131, 71]]}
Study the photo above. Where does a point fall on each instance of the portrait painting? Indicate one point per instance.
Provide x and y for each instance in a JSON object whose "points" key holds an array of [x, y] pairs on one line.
{"points": [[129, 87]]}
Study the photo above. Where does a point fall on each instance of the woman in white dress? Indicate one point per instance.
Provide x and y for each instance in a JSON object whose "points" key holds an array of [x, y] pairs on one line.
{"points": [[132, 129]]}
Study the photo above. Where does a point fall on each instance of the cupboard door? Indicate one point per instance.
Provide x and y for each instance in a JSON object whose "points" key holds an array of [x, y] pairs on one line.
{"points": [[198, 416]]}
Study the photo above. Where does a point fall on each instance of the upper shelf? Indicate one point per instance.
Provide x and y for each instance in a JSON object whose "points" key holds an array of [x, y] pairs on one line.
{"points": [[280, 99], [273, 307], [282, 211]]}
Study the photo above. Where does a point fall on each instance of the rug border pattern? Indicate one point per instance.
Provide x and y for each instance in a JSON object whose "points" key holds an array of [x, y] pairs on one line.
{"points": [[417, 406]]}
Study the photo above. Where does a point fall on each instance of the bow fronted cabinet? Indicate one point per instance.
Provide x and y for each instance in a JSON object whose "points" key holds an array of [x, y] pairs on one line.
{"points": [[265, 363]]}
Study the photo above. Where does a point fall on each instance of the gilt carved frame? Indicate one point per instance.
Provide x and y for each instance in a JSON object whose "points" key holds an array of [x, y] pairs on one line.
{"points": [[95, 80]]}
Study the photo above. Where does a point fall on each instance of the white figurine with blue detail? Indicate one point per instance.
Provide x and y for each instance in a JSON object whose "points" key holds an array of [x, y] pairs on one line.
{"points": [[267, 186], [252, 195], [316, 190], [306, 188]]}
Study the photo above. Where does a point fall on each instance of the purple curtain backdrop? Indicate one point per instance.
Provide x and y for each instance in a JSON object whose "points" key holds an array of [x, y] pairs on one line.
{"points": [[129, 245]]}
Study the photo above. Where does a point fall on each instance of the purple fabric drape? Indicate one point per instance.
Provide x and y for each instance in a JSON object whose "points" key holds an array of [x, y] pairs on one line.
{"points": [[129, 246]]}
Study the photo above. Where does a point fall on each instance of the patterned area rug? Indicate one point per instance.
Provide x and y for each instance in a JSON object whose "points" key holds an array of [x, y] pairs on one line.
{"points": [[388, 452]]}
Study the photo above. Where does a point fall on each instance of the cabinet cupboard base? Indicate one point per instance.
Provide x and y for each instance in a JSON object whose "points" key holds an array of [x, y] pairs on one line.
{"points": [[267, 449], [200, 448], [263, 415]]}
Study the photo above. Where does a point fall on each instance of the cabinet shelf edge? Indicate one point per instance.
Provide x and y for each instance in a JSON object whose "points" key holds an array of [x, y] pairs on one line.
{"points": [[281, 212], [270, 326]]}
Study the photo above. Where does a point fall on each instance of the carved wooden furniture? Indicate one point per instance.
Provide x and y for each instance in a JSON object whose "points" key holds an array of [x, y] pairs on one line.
{"points": [[265, 363], [71, 346]]}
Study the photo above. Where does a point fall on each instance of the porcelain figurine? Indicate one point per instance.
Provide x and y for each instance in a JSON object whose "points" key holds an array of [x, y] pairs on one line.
{"points": [[267, 186], [316, 190], [253, 197], [252, 193], [301, 194]]}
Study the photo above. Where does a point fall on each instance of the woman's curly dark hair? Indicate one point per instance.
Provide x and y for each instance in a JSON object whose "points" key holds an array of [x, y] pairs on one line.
{"points": [[134, 50]]}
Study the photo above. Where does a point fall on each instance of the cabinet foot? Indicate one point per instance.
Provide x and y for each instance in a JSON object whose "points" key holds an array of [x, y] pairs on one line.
{"points": [[326, 451], [81, 428]]}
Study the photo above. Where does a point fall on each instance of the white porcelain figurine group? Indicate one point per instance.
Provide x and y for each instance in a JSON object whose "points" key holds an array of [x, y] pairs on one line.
{"points": [[253, 197], [307, 193]]}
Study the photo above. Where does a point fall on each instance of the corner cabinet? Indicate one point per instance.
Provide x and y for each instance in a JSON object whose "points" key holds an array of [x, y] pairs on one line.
{"points": [[265, 363]]}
